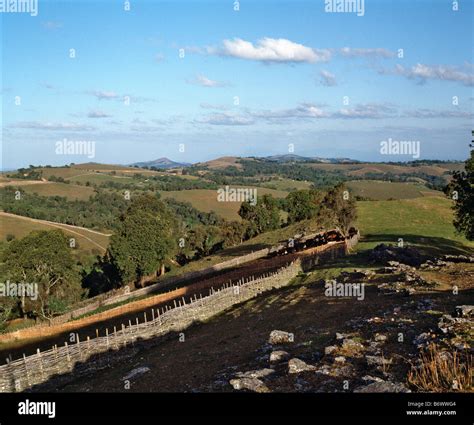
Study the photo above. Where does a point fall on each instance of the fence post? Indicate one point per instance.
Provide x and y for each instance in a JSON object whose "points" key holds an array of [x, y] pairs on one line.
{"points": [[41, 362], [79, 346], [107, 337], [26, 370]]}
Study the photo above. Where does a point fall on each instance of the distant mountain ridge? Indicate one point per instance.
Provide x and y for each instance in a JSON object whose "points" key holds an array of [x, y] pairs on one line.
{"points": [[299, 158], [161, 163]]}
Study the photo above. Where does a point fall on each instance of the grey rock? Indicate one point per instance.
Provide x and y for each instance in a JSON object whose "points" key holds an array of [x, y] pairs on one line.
{"points": [[260, 373], [278, 356], [280, 337], [465, 310], [382, 387], [330, 350], [377, 361], [297, 366], [135, 372], [251, 384]]}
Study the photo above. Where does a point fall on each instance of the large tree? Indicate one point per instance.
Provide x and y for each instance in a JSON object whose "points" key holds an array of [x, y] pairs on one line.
{"points": [[146, 237], [44, 259], [461, 190], [338, 209], [263, 216], [303, 204]]}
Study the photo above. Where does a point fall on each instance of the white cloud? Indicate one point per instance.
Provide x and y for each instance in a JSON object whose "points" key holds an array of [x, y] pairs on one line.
{"points": [[226, 119], [203, 81], [98, 114], [104, 95], [351, 52], [328, 79], [421, 73], [367, 110], [36, 125], [270, 50]]}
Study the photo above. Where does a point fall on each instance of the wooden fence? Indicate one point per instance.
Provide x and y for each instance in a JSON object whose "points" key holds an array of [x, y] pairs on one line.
{"points": [[23, 373]]}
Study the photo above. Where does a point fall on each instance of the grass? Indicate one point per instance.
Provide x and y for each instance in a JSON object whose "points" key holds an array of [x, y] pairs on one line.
{"points": [[287, 185], [206, 200], [70, 191], [438, 373], [20, 227], [425, 222], [382, 190]]}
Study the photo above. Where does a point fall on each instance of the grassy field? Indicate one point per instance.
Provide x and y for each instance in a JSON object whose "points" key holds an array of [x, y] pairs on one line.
{"points": [[381, 190], [206, 200], [69, 191], [424, 221], [88, 242], [287, 185]]}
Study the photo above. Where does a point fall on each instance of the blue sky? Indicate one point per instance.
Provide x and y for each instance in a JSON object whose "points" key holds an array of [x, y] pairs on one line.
{"points": [[251, 82]]}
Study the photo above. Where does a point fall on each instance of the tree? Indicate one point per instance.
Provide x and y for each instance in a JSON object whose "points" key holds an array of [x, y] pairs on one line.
{"points": [[302, 205], [338, 209], [461, 190], [145, 238], [263, 216], [43, 258]]}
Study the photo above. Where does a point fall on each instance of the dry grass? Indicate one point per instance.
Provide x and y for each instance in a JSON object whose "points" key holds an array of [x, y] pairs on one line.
{"points": [[442, 373]]}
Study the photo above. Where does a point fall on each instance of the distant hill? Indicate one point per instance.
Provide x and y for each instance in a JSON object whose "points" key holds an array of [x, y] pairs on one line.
{"points": [[222, 162], [298, 158], [161, 163]]}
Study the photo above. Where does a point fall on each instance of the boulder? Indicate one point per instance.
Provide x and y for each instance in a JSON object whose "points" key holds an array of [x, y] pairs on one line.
{"points": [[382, 387], [278, 356], [298, 366], [250, 384], [280, 337], [260, 373]]}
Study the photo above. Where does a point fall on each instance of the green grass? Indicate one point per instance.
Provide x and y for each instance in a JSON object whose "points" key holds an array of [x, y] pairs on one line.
{"points": [[382, 190], [20, 227], [287, 185], [425, 222], [206, 200], [70, 191]]}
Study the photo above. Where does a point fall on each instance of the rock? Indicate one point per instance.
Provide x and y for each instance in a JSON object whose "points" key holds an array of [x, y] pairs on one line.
{"points": [[341, 336], [352, 345], [330, 350], [251, 384], [135, 372], [382, 387], [465, 310], [280, 337], [260, 373], [422, 340], [369, 378], [380, 337], [340, 359], [278, 356], [297, 366], [378, 361]]}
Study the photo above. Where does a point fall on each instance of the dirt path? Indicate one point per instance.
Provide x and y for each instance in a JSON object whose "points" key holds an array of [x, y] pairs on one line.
{"points": [[69, 227]]}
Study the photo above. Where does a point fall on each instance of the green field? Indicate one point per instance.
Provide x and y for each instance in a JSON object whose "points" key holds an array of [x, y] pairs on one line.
{"points": [[287, 185], [69, 191], [382, 190], [206, 200], [89, 243], [425, 222]]}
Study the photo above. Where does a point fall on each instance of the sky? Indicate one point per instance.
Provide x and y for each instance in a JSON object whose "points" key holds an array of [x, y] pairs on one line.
{"points": [[194, 80]]}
